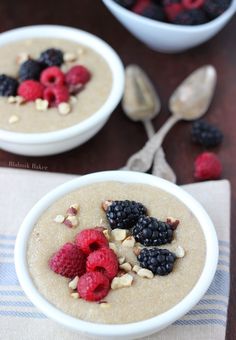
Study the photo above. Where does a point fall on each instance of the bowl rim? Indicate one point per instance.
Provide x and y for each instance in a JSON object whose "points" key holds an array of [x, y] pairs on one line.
{"points": [[87, 39], [169, 26], [147, 326]]}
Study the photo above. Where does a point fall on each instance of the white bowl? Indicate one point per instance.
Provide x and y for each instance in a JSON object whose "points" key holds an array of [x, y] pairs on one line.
{"points": [[165, 37], [122, 331], [49, 143]]}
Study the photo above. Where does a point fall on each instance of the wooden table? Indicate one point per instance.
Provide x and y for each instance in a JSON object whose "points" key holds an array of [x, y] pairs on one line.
{"points": [[111, 147]]}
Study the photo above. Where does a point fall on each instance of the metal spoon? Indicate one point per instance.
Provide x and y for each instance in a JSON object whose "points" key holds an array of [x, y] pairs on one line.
{"points": [[189, 101], [142, 103]]}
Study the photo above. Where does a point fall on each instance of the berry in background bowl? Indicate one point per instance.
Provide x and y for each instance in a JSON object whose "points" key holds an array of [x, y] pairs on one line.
{"points": [[172, 25], [58, 87], [106, 243]]}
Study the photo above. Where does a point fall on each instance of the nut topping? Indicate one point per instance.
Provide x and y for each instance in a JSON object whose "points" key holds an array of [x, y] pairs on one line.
{"points": [[126, 267], [173, 222], [129, 242], [121, 282], [179, 252], [73, 284], [71, 221], [59, 219], [146, 273], [119, 234]]}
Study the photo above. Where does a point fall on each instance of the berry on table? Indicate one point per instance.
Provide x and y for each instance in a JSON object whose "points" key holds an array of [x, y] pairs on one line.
{"points": [[52, 76], [159, 261], [93, 286], [30, 90], [68, 261], [30, 70], [151, 232], [103, 260], [78, 75], [191, 17], [89, 240], [56, 94], [207, 166], [206, 134], [124, 214], [214, 8], [51, 57], [8, 86]]}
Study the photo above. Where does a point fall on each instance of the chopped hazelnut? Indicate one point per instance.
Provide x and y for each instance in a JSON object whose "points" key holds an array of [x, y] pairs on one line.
{"points": [[122, 281], [119, 234], [129, 242], [146, 273]]}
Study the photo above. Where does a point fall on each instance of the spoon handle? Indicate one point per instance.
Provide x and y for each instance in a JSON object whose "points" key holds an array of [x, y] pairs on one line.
{"points": [[142, 160]]}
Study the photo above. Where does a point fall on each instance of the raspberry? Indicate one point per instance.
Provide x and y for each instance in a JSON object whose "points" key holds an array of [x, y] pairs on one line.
{"points": [[52, 76], [56, 94], [207, 166], [8, 86], [190, 17], [103, 260], [30, 90], [93, 286], [191, 4], [214, 8], [68, 261], [30, 69], [89, 240], [172, 10], [170, 2], [78, 75], [51, 57]]}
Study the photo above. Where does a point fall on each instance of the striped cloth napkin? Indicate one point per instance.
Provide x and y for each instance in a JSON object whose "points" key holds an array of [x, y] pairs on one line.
{"points": [[20, 320]]}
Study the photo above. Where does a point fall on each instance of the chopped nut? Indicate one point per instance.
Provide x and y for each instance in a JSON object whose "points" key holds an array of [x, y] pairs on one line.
{"points": [[11, 100], [123, 281], [41, 104], [129, 242], [136, 250], [106, 204], [80, 51], [136, 268], [64, 108], [119, 234], [145, 273], [69, 57], [121, 260], [73, 100], [59, 219], [106, 234], [113, 247], [75, 295], [73, 209], [173, 222], [180, 252], [22, 57], [104, 304], [126, 267], [71, 221], [20, 100], [13, 119], [73, 284]]}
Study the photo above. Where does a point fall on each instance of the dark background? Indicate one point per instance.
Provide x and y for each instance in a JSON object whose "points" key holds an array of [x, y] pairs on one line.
{"points": [[111, 147]]}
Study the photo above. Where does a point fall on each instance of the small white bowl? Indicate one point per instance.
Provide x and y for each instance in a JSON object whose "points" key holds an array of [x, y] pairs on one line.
{"points": [[49, 143], [166, 37], [121, 331]]}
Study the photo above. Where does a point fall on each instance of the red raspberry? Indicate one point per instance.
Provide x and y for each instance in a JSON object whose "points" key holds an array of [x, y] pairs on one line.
{"points": [[78, 75], [68, 261], [207, 166], [173, 10], [56, 94], [192, 4], [52, 76], [140, 6], [103, 260], [89, 240], [93, 286], [30, 90]]}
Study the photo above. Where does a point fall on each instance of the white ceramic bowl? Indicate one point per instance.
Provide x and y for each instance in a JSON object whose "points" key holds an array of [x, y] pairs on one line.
{"points": [[122, 331], [165, 37], [48, 143]]}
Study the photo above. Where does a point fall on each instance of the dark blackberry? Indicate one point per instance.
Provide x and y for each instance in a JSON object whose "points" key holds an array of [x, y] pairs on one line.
{"points": [[126, 3], [206, 134], [151, 232], [159, 261], [124, 214], [30, 70], [214, 8], [154, 12], [51, 57], [8, 86], [190, 17]]}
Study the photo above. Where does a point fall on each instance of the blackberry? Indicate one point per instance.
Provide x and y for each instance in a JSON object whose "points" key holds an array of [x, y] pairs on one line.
{"points": [[191, 17], [206, 134], [30, 70], [159, 261], [126, 3], [214, 8], [154, 12], [51, 57], [151, 232], [8, 86], [124, 214]]}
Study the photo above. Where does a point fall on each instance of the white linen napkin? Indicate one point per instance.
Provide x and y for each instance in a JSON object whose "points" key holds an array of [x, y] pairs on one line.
{"points": [[20, 320]]}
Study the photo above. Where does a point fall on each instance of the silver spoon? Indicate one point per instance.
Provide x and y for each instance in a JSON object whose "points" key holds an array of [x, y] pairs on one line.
{"points": [[142, 103], [189, 101]]}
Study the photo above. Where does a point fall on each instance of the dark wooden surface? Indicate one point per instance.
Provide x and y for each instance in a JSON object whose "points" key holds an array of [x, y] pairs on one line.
{"points": [[111, 147]]}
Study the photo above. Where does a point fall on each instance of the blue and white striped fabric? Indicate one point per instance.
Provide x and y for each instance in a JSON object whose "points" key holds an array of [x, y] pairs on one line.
{"points": [[19, 319]]}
